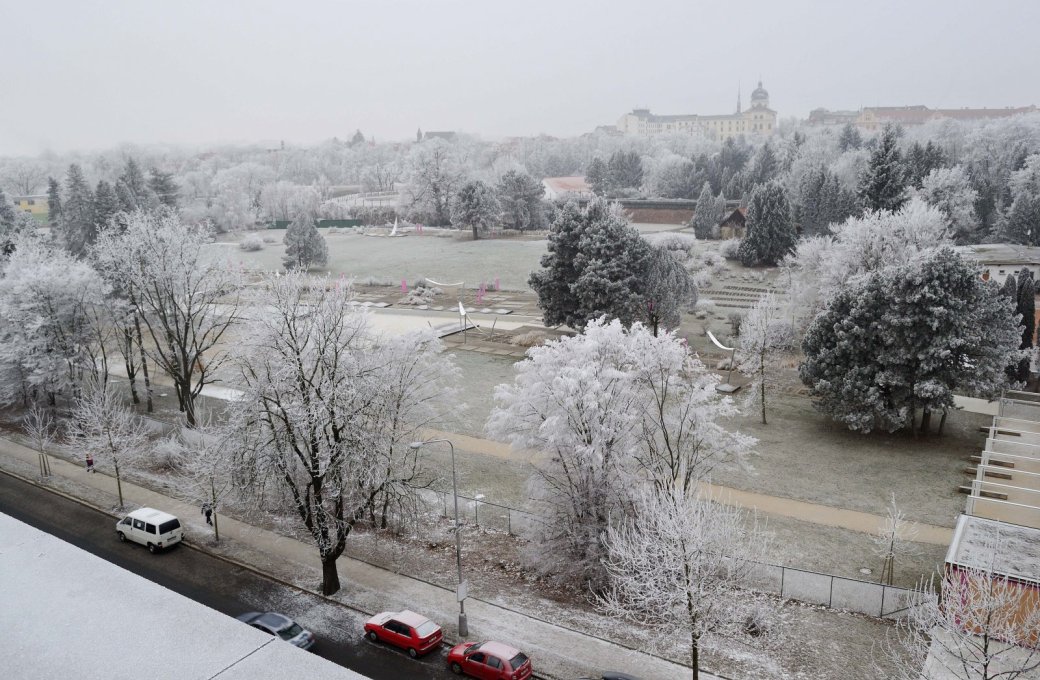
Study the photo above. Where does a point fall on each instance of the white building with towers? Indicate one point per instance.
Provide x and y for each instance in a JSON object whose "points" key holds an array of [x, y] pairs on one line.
{"points": [[757, 120]]}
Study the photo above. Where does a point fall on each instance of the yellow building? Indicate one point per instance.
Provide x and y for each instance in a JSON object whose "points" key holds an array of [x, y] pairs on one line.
{"points": [[755, 121], [36, 205]]}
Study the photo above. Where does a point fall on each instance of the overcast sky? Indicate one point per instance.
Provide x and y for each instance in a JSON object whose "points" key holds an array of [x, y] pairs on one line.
{"points": [[85, 75]]}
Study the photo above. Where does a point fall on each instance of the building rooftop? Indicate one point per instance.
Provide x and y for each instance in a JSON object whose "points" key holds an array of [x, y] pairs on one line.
{"points": [[575, 184], [1007, 549], [1001, 253]]}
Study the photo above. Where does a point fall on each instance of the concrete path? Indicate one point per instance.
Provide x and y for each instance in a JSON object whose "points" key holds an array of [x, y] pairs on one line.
{"points": [[559, 651]]}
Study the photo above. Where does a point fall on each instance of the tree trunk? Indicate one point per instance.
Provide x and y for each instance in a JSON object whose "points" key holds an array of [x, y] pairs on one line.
{"points": [[128, 361], [144, 364], [694, 655], [762, 385], [329, 576], [942, 420], [926, 420], [189, 405], [475, 235]]}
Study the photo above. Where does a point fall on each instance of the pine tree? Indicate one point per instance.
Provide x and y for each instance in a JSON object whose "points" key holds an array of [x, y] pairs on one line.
{"points": [[132, 189], [418, 135], [883, 186], [106, 204], [304, 246], [850, 138], [520, 197], [769, 231], [625, 170], [1026, 306], [766, 166], [704, 217], [79, 227], [1021, 224], [596, 176], [54, 206], [162, 185], [554, 281]]}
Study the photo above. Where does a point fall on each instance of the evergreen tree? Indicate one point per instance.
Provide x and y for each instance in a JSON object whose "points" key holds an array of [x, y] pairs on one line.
{"points": [[520, 197], [106, 204], [132, 189], [705, 220], [418, 135], [823, 201], [54, 205], [850, 138], [596, 176], [304, 246], [625, 170], [769, 231], [1010, 289], [475, 207], [79, 226], [162, 185], [733, 156], [904, 338], [883, 186], [766, 166], [13, 223], [358, 138], [1021, 224], [554, 281], [1026, 306]]}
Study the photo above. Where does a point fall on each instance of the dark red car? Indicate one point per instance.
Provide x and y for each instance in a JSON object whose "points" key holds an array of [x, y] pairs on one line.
{"points": [[489, 661], [407, 630]]}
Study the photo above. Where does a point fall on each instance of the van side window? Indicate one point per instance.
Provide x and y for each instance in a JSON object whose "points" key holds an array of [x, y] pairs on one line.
{"points": [[149, 528], [138, 524]]}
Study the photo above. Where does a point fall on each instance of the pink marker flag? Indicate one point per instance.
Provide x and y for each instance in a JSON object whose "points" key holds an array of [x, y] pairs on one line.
{"points": [[404, 286], [496, 284]]}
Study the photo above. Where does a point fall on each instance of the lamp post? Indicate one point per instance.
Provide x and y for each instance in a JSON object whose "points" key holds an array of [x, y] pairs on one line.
{"points": [[461, 592]]}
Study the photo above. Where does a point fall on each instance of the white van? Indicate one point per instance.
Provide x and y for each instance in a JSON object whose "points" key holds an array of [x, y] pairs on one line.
{"points": [[149, 527]]}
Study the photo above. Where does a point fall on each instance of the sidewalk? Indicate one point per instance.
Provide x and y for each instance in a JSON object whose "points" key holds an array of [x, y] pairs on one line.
{"points": [[558, 651]]}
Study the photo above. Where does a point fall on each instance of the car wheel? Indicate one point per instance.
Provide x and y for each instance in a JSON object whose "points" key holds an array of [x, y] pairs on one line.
{"points": [[122, 536], [372, 636], [152, 549], [456, 668], [412, 652]]}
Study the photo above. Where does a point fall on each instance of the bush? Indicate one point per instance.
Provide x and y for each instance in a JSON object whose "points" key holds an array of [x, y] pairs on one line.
{"points": [[251, 243], [684, 243], [374, 215], [168, 454], [268, 238], [729, 249], [528, 339], [735, 319]]}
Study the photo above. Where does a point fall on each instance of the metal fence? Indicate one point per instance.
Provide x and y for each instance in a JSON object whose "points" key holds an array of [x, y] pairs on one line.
{"points": [[837, 592]]}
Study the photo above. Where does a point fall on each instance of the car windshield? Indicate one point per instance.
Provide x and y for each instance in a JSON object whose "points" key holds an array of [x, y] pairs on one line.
{"points": [[517, 661], [473, 648], [427, 629], [289, 633], [167, 527]]}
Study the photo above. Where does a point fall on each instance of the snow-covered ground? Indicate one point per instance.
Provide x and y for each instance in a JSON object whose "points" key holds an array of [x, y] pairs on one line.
{"points": [[62, 608]]}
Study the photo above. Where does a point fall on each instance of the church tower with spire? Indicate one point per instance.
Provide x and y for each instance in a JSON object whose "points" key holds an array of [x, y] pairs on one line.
{"points": [[738, 97]]}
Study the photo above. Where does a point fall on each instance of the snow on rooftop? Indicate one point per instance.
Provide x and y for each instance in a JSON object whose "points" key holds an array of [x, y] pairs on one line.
{"points": [[1001, 253], [1012, 550], [67, 613]]}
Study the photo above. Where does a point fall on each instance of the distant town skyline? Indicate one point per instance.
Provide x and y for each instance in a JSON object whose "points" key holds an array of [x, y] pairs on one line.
{"points": [[85, 77]]}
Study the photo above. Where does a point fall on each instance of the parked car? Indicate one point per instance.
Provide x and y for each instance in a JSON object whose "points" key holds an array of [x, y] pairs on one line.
{"points": [[489, 661], [410, 631], [149, 527], [611, 675], [280, 625]]}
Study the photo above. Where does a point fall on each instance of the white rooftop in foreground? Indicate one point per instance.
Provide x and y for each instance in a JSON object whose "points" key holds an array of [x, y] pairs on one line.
{"points": [[68, 614], [1009, 549]]}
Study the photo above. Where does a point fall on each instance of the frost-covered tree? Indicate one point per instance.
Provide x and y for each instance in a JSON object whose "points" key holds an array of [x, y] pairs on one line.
{"points": [[607, 407], [132, 189], [14, 224], [883, 185], [24, 176], [625, 170], [673, 177], [766, 335], [894, 538], [49, 311], [521, 199], [597, 176], [904, 337], [475, 207], [706, 217], [186, 300], [685, 563], [769, 234], [79, 228], [163, 186], [1025, 307], [305, 247], [669, 289], [105, 427], [38, 424], [554, 281], [54, 205], [106, 203], [434, 175], [950, 190], [765, 166], [975, 625], [822, 201], [1021, 222], [850, 138], [326, 409], [922, 160]]}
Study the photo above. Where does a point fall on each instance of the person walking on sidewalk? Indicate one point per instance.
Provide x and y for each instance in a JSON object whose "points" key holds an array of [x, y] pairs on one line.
{"points": [[90, 463], [207, 510]]}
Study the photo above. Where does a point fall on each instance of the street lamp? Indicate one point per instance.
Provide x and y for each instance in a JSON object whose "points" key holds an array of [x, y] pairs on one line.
{"points": [[461, 592]]}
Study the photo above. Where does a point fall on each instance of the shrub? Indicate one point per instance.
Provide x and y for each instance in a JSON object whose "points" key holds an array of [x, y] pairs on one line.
{"points": [[269, 238], [735, 319], [730, 248], [251, 243]]}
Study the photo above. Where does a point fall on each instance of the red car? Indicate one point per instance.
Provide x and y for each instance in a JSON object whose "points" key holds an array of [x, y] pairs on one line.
{"points": [[408, 630], [489, 661]]}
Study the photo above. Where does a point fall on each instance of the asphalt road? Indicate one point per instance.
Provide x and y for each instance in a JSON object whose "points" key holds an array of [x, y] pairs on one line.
{"points": [[216, 584]]}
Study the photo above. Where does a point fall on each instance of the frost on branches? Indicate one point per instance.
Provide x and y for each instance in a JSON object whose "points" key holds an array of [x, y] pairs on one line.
{"points": [[767, 334], [329, 408], [903, 338], [609, 408], [683, 564]]}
